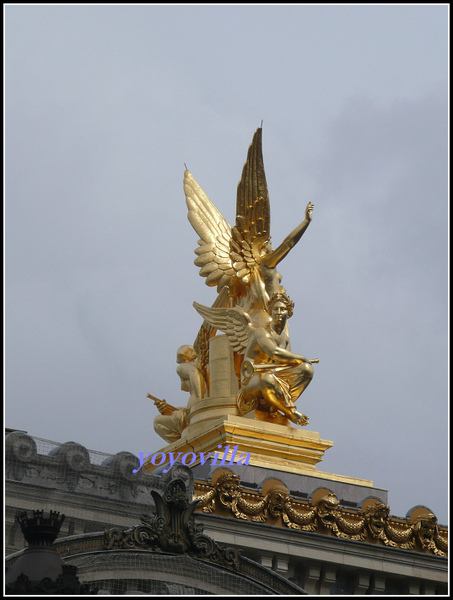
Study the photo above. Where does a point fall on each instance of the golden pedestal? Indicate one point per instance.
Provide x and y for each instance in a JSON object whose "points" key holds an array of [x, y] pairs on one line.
{"points": [[214, 424], [276, 447], [267, 445]]}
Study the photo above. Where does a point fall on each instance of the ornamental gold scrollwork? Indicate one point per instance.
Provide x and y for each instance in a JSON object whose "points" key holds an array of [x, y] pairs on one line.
{"points": [[330, 516], [372, 524], [302, 517]]}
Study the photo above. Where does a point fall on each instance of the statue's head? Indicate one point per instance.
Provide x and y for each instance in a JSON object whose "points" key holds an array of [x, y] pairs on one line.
{"points": [[281, 297], [185, 354]]}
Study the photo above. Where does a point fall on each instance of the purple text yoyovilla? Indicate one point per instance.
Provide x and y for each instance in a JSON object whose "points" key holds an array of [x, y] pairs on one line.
{"points": [[189, 458]]}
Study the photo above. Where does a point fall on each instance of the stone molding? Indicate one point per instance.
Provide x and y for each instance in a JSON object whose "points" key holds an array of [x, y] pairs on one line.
{"points": [[67, 468]]}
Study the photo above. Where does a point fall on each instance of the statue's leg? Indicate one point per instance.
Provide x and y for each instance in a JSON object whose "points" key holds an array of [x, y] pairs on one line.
{"points": [[271, 398], [168, 426], [266, 386], [299, 378], [275, 398]]}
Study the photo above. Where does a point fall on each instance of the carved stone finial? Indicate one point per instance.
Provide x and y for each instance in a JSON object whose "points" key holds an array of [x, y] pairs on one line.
{"points": [[171, 528], [40, 570], [40, 529]]}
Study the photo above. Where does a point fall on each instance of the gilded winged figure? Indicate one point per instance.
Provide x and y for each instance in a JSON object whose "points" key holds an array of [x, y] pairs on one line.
{"points": [[272, 376], [239, 260]]}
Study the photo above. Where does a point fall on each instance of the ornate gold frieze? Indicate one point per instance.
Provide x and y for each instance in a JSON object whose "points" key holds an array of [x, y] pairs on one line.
{"points": [[324, 515]]}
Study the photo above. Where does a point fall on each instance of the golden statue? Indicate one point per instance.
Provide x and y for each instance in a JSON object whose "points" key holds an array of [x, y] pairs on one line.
{"points": [[251, 308], [241, 258], [272, 376], [171, 421]]}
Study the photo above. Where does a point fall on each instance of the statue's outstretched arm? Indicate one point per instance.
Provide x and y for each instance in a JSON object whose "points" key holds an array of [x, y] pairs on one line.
{"points": [[272, 259], [269, 347]]}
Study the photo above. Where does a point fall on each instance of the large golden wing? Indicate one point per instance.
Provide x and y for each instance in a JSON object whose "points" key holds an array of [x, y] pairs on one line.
{"points": [[213, 252], [235, 322], [252, 229]]}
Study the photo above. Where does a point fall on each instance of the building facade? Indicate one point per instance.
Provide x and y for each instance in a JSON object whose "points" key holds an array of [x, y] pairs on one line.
{"points": [[320, 534]]}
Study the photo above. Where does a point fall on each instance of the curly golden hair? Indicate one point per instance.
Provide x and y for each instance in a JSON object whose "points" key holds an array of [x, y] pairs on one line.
{"points": [[281, 296]]}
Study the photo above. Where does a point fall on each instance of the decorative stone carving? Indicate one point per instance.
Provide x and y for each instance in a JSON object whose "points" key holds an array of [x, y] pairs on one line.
{"points": [[171, 528], [20, 449], [124, 481], [73, 455], [178, 471], [21, 446], [74, 459], [122, 464]]}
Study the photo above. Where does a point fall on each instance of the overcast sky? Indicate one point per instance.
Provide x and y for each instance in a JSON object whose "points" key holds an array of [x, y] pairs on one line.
{"points": [[105, 104]]}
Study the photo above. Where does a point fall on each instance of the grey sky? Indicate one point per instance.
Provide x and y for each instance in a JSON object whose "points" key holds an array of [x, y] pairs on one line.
{"points": [[105, 104]]}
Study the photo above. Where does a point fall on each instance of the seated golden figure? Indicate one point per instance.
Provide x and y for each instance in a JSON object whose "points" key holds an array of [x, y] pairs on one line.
{"points": [[271, 374], [171, 421]]}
